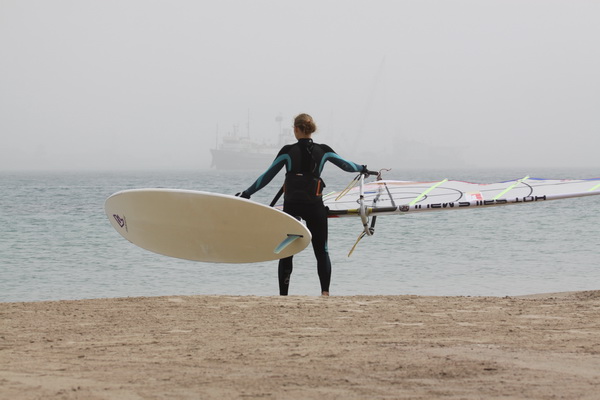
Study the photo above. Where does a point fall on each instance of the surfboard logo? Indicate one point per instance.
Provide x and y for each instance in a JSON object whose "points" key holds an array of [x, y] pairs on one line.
{"points": [[121, 221]]}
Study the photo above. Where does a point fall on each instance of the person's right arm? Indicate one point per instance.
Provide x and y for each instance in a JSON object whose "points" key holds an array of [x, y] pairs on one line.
{"points": [[282, 159]]}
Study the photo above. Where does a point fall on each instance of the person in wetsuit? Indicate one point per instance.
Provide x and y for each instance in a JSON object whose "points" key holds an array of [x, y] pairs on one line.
{"points": [[303, 187]]}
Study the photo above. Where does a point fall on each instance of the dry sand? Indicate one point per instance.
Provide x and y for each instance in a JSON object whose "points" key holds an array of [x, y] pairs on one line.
{"points": [[358, 347]]}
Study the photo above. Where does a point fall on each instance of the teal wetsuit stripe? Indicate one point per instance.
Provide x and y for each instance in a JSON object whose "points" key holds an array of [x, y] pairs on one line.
{"points": [[273, 170], [346, 165]]}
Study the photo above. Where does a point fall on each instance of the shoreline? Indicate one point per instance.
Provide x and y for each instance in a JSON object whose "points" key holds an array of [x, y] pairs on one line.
{"points": [[520, 296], [302, 347]]}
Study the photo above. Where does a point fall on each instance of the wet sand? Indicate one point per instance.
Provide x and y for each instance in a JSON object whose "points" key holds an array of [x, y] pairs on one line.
{"points": [[356, 347]]}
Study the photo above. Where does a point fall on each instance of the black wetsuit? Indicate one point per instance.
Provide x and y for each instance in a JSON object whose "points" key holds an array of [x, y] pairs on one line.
{"points": [[304, 162]]}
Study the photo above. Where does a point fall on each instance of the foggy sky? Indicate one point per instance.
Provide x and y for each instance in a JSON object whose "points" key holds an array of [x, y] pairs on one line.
{"points": [[143, 84]]}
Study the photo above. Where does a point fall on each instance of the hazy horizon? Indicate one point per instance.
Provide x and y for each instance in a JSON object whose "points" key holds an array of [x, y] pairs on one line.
{"points": [[121, 85]]}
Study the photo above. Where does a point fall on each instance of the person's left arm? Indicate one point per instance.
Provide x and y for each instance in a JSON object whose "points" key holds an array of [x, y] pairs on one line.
{"points": [[336, 159]]}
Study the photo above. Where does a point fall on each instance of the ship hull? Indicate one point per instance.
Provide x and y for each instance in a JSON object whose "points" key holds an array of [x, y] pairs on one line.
{"points": [[227, 159]]}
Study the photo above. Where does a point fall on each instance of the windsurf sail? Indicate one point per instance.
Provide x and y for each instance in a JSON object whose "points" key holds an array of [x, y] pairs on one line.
{"points": [[399, 197], [389, 197]]}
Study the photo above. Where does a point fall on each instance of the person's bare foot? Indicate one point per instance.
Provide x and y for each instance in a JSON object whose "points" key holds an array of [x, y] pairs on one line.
{"points": [[324, 293]]}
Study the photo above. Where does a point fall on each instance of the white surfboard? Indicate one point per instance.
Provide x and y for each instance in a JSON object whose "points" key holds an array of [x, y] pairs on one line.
{"points": [[203, 226]]}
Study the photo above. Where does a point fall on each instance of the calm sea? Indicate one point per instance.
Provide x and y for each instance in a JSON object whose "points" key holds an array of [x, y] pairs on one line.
{"points": [[56, 243]]}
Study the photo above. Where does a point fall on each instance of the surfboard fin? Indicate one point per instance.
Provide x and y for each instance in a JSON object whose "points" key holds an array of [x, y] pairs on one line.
{"points": [[286, 242]]}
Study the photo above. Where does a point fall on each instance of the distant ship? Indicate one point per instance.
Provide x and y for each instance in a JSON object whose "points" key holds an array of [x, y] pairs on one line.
{"points": [[236, 152], [242, 152]]}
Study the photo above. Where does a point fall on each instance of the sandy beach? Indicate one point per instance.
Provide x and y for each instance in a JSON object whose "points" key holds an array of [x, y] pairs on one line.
{"points": [[356, 347]]}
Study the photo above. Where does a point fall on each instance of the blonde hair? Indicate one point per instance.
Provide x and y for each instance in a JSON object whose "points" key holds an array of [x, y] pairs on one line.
{"points": [[305, 124]]}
